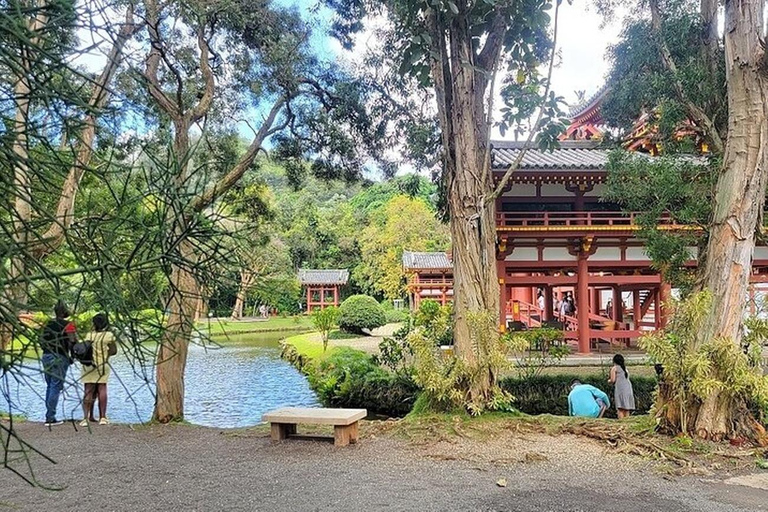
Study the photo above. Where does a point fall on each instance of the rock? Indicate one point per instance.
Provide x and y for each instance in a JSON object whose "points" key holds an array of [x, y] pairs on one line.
{"points": [[501, 482]]}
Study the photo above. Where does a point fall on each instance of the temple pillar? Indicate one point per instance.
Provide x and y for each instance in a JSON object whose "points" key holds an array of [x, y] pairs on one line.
{"points": [[501, 274], [618, 309], [582, 304], [636, 313], [549, 307], [336, 296], [665, 296], [594, 295], [309, 299]]}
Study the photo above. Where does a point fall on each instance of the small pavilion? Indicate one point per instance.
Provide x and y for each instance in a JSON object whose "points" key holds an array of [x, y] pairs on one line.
{"points": [[322, 287], [430, 276]]}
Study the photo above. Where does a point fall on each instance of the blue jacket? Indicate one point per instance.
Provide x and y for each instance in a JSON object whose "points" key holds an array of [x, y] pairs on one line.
{"points": [[582, 401]]}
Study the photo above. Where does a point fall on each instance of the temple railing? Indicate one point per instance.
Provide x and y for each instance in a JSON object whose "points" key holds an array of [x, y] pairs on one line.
{"points": [[560, 219], [431, 281]]}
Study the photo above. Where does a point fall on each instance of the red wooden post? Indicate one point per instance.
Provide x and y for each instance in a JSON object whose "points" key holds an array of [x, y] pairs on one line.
{"points": [[618, 309], [636, 309], [336, 295], [665, 295], [309, 299], [594, 295], [503, 305], [549, 308], [582, 304]]}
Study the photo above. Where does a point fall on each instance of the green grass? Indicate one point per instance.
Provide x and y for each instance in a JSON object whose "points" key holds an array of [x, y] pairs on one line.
{"points": [[291, 323], [309, 345]]}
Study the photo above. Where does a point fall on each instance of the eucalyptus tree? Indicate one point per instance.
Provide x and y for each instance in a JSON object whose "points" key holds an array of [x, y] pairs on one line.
{"points": [[209, 64], [55, 112], [455, 49], [692, 62]]}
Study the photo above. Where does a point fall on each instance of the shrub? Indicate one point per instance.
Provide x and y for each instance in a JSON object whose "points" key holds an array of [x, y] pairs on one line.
{"points": [[436, 320], [351, 378], [360, 312], [396, 316], [450, 383], [548, 394]]}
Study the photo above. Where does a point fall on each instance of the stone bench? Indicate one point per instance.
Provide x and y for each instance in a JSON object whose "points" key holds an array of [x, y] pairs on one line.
{"points": [[283, 422]]}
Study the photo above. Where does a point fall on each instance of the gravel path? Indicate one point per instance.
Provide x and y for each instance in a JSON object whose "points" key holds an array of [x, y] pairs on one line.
{"points": [[187, 468]]}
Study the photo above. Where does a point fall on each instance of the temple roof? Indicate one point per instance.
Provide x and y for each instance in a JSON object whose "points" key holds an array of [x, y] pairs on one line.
{"points": [[575, 154], [435, 260], [331, 276], [589, 104]]}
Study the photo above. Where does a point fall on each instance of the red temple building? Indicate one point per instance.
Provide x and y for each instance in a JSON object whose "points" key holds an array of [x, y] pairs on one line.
{"points": [[430, 276], [322, 288], [557, 238]]}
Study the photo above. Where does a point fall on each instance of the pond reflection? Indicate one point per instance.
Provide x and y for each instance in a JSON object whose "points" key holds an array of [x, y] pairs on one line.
{"points": [[229, 385]]}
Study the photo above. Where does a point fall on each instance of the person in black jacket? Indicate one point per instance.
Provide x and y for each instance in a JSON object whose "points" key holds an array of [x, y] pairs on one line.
{"points": [[57, 339]]}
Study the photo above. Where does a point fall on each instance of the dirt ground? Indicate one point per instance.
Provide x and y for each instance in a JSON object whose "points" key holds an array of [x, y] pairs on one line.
{"points": [[180, 467]]}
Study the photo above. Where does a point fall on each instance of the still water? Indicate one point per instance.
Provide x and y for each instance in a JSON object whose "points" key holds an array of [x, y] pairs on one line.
{"points": [[229, 385]]}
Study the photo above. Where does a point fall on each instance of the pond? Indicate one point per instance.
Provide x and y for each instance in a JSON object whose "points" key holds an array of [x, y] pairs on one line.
{"points": [[229, 385]]}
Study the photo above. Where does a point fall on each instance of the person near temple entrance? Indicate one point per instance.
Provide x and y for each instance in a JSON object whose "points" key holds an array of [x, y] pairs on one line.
{"points": [[609, 309], [587, 401], [540, 299]]}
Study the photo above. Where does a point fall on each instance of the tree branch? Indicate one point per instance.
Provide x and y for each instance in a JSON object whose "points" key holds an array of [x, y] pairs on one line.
{"points": [[202, 107], [487, 57], [54, 235], [153, 63], [696, 113], [205, 199]]}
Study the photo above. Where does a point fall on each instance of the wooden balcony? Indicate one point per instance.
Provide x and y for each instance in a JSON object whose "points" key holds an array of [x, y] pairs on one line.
{"points": [[430, 282], [577, 223]]}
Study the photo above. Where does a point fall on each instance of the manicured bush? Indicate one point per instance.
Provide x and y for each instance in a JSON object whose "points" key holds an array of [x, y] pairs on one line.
{"points": [[360, 312], [396, 316], [351, 378], [548, 394]]}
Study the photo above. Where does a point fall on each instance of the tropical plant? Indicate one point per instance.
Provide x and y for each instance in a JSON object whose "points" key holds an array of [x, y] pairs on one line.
{"points": [[437, 320], [697, 369], [324, 321], [360, 312], [449, 382]]}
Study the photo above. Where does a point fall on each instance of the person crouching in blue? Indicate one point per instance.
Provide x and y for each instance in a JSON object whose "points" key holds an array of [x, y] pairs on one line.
{"points": [[587, 401]]}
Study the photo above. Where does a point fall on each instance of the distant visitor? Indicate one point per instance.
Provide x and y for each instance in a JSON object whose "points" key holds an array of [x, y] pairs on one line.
{"points": [[587, 401], [57, 339], [97, 347]]}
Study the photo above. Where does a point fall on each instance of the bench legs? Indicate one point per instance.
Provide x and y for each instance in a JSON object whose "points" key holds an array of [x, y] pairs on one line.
{"points": [[345, 434], [281, 431]]}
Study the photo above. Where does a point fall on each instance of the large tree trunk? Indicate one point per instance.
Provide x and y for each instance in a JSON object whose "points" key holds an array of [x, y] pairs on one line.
{"points": [[461, 92], [17, 292], [739, 193], [246, 280], [174, 346]]}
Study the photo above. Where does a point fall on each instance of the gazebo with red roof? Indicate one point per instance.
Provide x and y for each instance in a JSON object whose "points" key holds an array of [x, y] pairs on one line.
{"points": [[322, 287]]}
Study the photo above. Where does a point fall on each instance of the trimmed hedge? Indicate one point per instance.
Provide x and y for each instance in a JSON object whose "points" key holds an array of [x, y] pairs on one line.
{"points": [[360, 312], [548, 394]]}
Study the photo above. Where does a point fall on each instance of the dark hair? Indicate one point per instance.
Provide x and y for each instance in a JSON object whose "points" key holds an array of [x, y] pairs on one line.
{"points": [[575, 382], [100, 322], [619, 360], [61, 309]]}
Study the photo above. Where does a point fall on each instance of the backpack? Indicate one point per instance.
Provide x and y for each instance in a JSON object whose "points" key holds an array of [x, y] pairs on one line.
{"points": [[83, 352]]}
